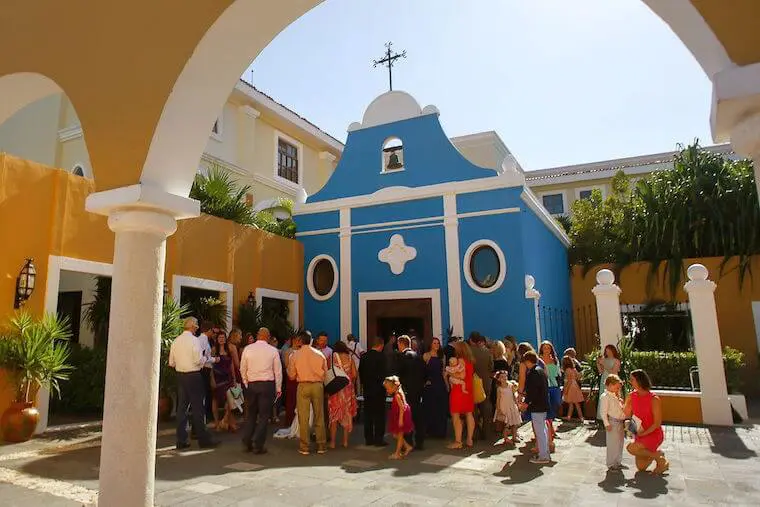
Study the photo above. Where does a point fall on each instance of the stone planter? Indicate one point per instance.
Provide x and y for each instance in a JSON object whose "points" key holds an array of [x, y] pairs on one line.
{"points": [[19, 422]]}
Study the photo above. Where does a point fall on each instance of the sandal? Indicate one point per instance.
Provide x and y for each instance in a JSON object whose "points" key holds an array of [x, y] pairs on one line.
{"points": [[395, 456], [454, 445]]}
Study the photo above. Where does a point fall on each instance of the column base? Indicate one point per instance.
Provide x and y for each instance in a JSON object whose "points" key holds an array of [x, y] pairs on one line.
{"points": [[716, 411]]}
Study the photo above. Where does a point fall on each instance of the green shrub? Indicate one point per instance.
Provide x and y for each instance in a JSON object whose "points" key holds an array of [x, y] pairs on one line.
{"points": [[671, 369], [85, 389]]}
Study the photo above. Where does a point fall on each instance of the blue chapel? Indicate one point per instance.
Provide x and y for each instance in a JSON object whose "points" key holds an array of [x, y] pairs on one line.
{"points": [[408, 234]]}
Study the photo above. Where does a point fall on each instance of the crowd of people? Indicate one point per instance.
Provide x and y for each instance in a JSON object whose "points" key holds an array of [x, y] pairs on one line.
{"points": [[408, 387]]}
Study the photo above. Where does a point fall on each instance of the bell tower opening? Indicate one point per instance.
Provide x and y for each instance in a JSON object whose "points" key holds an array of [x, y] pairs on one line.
{"points": [[393, 155]]}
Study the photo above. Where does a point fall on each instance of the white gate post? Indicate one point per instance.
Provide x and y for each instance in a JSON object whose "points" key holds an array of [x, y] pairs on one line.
{"points": [[532, 293], [608, 308], [716, 408]]}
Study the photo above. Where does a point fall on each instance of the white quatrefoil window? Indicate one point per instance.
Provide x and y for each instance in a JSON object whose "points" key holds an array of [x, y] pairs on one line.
{"points": [[397, 254]]}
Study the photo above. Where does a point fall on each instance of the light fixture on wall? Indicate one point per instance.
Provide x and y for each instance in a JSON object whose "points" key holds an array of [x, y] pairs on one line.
{"points": [[25, 283], [251, 300]]}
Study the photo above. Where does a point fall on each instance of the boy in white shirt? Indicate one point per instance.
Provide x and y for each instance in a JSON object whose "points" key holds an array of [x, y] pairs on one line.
{"points": [[611, 410]]}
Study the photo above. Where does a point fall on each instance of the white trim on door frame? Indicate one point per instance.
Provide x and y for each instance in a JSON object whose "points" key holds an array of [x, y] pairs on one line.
{"points": [[433, 294], [56, 264], [290, 297], [179, 281]]}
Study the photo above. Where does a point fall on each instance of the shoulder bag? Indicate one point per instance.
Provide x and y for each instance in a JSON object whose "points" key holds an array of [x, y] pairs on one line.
{"points": [[335, 378]]}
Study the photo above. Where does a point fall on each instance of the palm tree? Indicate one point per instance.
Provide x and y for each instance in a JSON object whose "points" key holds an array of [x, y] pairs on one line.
{"points": [[221, 196]]}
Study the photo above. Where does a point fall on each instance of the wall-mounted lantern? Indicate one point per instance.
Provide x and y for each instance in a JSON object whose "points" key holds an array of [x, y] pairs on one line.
{"points": [[25, 284], [251, 300]]}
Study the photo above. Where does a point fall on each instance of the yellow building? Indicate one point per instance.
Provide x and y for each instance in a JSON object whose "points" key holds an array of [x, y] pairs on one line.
{"points": [[258, 140], [559, 187]]}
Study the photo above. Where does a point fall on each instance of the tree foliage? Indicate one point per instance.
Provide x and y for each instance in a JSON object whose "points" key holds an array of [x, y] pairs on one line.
{"points": [[222, 196], [704, 206]]}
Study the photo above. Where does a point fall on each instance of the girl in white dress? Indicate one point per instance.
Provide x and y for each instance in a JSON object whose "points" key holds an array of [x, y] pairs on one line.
{"points": [[506, 411]]}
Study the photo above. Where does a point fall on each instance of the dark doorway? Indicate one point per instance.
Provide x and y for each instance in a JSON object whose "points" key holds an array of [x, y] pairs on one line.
{"points": [[400, 325], [400, 315], [70, 306]]}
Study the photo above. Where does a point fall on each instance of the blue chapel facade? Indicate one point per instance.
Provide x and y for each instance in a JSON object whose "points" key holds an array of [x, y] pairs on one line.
{"points": [[408, 233]]}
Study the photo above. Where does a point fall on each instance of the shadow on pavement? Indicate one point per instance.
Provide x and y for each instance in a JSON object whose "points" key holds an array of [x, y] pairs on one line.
{"points": [[728, 444]]}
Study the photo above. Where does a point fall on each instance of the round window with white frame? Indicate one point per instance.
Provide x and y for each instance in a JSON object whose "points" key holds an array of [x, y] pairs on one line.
{"points": [[393, 155], [485, 266], [322, 277]]}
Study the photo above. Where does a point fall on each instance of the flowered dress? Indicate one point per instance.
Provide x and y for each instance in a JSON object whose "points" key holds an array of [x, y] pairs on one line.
{"points": [[572, 391], [406, 426], [341, 406], [506, 407]]}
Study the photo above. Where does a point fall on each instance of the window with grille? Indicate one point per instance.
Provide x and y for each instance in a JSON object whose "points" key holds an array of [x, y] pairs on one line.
{"points": [[287, 161]]}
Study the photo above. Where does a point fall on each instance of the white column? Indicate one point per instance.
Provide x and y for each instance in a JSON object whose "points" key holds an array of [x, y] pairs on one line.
{"points": [[716, 408], [453, 267], [532, 293], [745, 139], [608, 308], [346, 306], [128, 453]]}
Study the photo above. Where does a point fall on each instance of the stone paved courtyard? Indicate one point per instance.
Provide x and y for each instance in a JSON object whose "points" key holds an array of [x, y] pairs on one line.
{"points": [[709, 466]]}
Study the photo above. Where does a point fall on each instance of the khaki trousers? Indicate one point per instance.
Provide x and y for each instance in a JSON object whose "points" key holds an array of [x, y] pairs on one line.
{"points": [[311, 397]]}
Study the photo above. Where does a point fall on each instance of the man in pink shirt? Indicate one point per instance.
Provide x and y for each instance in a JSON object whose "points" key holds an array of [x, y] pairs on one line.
{"points": [[261, 371]]}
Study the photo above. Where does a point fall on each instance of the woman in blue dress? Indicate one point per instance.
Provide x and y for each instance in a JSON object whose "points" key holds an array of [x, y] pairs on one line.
{"points": [[435, 396]]}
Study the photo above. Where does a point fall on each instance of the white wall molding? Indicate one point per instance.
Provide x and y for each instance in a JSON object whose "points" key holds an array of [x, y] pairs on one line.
{"points": [[502, 266], [56, 264], [310, 277], [453, 279], [291, 190], [400, 194], [530, 199], [250, 111], [290, 297], [70, 133], [229, 166], [326, 155], [433, 294], [179, 281], [402, 224], [346, 306]]}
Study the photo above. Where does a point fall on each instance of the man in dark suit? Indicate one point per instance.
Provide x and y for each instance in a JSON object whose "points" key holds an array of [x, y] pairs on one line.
{"points": [[372, 372], [410, 369], [484, 368]]}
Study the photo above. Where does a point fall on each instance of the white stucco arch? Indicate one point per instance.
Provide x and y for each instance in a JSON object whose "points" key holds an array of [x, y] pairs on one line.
{"points": [[689, 25], [21, 89], [234, 40]]}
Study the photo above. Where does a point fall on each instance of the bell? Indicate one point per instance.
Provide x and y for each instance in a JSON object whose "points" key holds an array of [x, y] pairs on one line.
{"points": [[393, 162]]}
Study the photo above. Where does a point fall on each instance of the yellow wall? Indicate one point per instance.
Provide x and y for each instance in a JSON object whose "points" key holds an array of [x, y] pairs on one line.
{"points": [[734, 304], [42, 213]]}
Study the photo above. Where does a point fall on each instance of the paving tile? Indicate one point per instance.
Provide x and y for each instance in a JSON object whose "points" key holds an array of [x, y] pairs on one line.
{"points": [[358, 463], [205, 488]]}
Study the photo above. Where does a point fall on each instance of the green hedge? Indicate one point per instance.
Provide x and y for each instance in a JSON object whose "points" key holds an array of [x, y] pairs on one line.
{"points": [[671, 369], [83, 393]]}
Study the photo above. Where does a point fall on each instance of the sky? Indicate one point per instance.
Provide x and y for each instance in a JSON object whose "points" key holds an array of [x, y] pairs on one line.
{"points": [[561, 81]]}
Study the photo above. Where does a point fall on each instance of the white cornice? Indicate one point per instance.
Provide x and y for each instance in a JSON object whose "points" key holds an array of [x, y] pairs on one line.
{"points": [[326, 155], [229, 166], [249, 111], [399, 194], [283, 112], [70, 133]]}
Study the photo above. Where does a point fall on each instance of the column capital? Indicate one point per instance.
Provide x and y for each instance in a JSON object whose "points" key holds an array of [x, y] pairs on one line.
{"points": [[142, 220], [745, 136], [142, 197]]}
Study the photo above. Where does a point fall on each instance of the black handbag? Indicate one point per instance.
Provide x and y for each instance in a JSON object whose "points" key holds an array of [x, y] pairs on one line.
{"points": [[335, 379]]}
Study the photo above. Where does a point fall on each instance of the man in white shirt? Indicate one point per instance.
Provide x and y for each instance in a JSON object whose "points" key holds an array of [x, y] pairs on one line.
{"points": [[356, 350], [261, 371], [204, 342], [186, 357]]}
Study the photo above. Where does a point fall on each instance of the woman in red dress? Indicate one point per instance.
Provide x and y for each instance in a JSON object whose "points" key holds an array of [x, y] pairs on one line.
{"points": [[646, 409], [462, 401]]}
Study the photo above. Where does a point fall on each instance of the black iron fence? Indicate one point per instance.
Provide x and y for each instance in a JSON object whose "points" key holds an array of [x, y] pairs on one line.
{"points": [[586, 325], [556, 326]]}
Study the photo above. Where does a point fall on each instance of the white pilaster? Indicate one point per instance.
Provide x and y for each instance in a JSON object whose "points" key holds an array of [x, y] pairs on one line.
{"points": [[535, 295], [607, 295], [141, 216], [346, 306], [246, 138], [453, 267], [716, 408]]}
